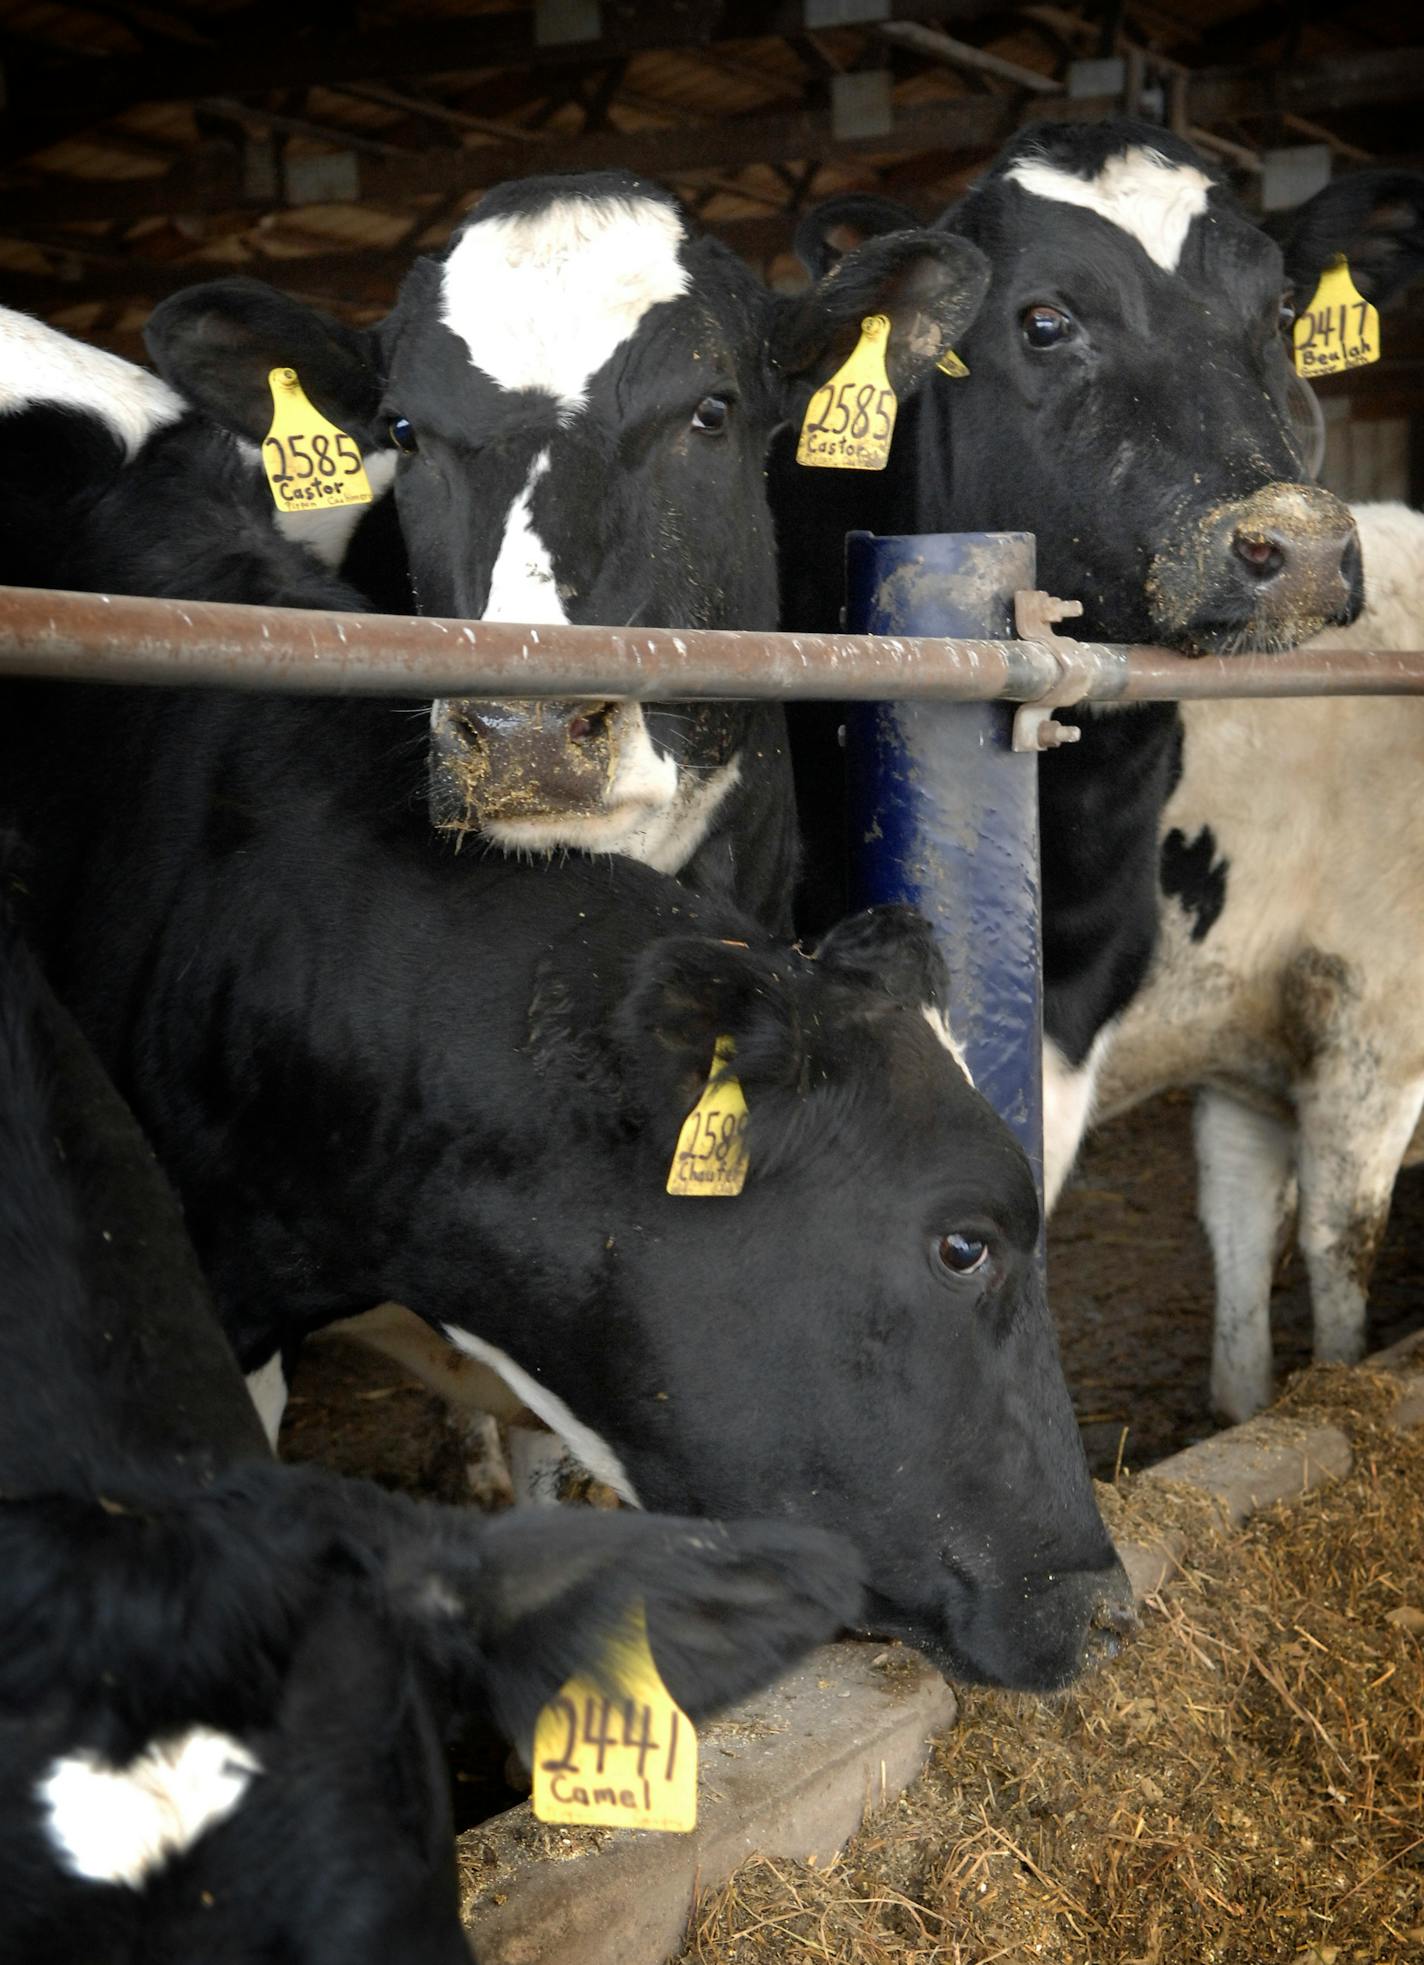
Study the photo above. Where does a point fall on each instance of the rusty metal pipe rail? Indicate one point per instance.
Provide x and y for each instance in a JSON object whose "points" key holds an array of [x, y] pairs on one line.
{"points": [[115, 638]]}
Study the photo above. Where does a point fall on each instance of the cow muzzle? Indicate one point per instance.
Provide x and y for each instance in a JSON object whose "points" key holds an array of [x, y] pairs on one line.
{"points": [[1264, 572], [1039, 1632], [499, 763]]}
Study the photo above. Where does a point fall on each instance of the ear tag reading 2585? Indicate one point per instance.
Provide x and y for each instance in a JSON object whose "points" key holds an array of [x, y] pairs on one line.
{"points": [[711, 1156], [626, 1760], [1338, 330], [310, 464], [850, 419]]}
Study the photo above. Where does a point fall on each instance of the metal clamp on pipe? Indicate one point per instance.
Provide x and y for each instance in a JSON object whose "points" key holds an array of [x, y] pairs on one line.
{"points": [[1035, 616]]}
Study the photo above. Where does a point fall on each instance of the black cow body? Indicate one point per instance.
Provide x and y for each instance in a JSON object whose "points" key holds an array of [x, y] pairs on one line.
{"points": [[581, 392], [223, 1683]]}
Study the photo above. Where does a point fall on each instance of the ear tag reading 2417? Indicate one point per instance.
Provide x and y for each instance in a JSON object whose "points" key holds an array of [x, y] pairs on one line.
{"points": [[1338, 330], [711, 1156], [625, 1760], [850, 419], [310, 464]]}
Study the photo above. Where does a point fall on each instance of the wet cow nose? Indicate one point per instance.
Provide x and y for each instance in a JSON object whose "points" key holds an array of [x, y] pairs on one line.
{"points": [[1113, 1620], [1320, 558]]}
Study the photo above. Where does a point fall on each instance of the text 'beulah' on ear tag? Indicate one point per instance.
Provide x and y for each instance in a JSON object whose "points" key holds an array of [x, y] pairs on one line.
{"points": [[850, 419], [711, 1156], [950, 364], [1338, 330], [310, 464], [624, 1758]]}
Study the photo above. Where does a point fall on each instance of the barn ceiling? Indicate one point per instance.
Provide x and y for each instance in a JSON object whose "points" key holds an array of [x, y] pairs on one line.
{"points": [[323, 144]]}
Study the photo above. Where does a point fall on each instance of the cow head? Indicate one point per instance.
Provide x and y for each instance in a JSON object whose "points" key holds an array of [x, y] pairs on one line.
{"points": [[860, 1337], [1130, 392], [581, 393], [233, 1705]]}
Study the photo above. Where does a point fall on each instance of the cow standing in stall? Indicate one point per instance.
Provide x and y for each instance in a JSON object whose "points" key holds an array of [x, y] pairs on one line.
{"points": [[580, 393], [376, 1072], [1129, 402], [224, 1684]]}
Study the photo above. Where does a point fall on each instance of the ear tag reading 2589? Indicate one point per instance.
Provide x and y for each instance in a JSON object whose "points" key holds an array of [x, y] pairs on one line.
{"points": [[310, 464], [1338, 330], [626, 1760], [711, 1156], [850, 419]]}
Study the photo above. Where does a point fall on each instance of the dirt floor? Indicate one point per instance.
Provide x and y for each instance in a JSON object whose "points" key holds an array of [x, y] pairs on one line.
{"points": [[1130, 1283]]}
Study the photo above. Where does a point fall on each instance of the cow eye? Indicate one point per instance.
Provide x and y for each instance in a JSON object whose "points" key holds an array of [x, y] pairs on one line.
{"points": [[1045, 327], [710, 415], [1286, 317], [961, 1255], [402, 434]]}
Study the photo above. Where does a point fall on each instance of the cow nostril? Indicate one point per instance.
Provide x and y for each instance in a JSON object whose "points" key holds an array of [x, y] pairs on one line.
{"points": [[584, 724], [1263, 552], [1351, 562], [1114, 1619]]}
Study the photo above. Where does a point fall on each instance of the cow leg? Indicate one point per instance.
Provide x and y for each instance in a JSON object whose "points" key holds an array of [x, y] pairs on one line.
{"points": [[1354, 1131], [1068, 1091], [1244, 1165]]}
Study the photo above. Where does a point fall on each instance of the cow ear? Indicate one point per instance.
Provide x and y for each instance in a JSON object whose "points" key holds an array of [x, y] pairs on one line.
{"points": [[1375, 218], [689, 991], [930, 284], [891, 949], [508, 1609], [830, 230], [217, 343]]}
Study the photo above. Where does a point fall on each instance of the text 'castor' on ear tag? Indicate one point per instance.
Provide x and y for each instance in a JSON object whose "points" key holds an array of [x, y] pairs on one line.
{"points": [[950, 364], [625, 1757], [311, 466], [1338, 330], [850, 419], [711, 1156]]}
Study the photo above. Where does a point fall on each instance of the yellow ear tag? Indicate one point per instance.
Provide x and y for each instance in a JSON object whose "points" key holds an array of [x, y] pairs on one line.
{"points": [[950, 364], [310, 464], [711, 1156], [626, 1759], [850, 419], [1338, 330]]}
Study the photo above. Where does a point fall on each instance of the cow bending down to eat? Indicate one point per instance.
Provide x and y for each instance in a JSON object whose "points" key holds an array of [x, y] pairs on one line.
{"points": [[224, 1684]]}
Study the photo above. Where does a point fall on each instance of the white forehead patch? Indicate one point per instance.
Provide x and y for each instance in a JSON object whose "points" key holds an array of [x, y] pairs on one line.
{"points": [[1141, 192], [522, 584], [542, 299], [117, 1824], [40, 365]]}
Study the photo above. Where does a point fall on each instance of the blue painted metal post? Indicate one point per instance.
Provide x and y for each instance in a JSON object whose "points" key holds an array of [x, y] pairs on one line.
{"points": [[944, 814]]}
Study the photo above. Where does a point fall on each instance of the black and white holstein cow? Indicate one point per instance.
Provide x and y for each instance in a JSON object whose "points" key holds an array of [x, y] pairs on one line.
{"points": [[581, 393], [376, 1072], [1129, 401], [1286, 980], [224, 1684]]}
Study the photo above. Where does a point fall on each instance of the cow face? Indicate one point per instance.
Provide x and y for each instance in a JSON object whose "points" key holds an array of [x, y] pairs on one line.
{"points": [[860, 1338], [581, 393], [235, 1703], [1130, 391]]}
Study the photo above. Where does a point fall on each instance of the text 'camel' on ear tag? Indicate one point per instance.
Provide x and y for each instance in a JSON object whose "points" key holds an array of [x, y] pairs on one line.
{"points": [[711, 1156], [1338, 330], [625, 1758], [310, 464], [850, 419], [950, 364]]}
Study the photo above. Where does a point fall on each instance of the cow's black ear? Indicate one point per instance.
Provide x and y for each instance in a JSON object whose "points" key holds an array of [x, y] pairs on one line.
{"points": [[891, 949], [508, 1609], [826, 233], [686, 992], [931, 285], [217, 344], [1375, 218]]}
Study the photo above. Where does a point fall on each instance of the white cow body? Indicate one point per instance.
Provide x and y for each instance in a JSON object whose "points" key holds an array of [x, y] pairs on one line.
{"points": [[1297, 1013]]}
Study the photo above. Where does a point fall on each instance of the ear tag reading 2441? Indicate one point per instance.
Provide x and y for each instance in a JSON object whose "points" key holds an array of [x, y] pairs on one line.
{"points": [[1338, 330], [310, 464], [850, 419], [711, 1156], [626, 1760]]}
